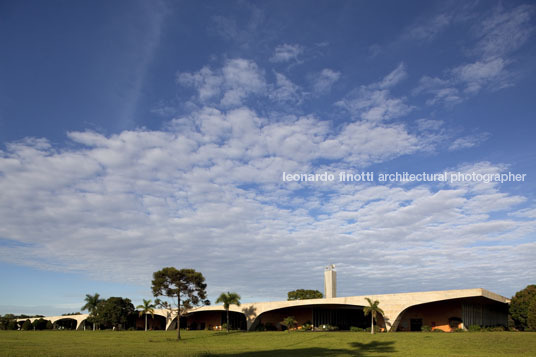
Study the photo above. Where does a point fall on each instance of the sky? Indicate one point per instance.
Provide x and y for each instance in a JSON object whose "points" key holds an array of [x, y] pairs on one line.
{"points": [[136, 135]]}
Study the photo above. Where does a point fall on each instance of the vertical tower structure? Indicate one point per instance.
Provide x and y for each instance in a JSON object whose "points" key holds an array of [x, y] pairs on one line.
{"points": [[330, 282]]}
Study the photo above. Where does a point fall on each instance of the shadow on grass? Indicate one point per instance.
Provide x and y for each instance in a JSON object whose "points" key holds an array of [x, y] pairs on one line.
{"points": [[373, 348]]}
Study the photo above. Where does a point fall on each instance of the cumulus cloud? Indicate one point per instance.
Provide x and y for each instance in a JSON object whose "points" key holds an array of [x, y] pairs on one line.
{"points": [[286, 52], [231, 84], [374, 101], [285, 90], [206, 191], [325, 79]]}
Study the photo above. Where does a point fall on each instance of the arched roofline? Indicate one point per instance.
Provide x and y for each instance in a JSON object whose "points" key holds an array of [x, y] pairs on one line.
{"points": [[490, 296]]}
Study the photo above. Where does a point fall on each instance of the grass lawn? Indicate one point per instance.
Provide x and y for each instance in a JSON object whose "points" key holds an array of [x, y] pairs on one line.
{"points": [[208, 343]]}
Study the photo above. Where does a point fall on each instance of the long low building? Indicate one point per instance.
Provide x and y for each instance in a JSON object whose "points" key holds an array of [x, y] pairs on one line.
{"points": [[446, 310]]}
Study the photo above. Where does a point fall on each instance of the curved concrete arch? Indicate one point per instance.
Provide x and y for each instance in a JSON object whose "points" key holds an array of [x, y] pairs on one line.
{"points": [[302, 304], [409, 300], [53, 319]]}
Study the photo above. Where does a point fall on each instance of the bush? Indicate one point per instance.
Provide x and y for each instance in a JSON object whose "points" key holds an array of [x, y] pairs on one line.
{"points": [[27, 325], [40, 324], [260, 327], [474, 328], [12, 325], [50, 325], [458, 330], [437, 330], [306, 327], [356, 329], [426, 328]]}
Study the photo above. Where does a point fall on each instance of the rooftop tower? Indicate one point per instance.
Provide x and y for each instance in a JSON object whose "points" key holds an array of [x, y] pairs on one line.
{"points": [[330, 282]]}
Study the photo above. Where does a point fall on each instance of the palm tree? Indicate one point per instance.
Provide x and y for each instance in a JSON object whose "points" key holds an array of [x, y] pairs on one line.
{"points": [[289, 322], [372, 309], [91, 305], [146, 308], [228, 299]]}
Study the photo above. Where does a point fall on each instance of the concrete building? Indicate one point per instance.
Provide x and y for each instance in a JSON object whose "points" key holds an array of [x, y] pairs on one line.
{"points": [[445, 310]]}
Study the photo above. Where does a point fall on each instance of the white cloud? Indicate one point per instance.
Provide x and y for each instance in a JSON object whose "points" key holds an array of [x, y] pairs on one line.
{"points": [[504, 31], [429, 29], [374, 101], [497, 36], [152, 197], [323, 82], [479, 74], [206, 192], [468, 141], [285, 90], [286, 52], [235, 81], [393, 78], [429, 124]]}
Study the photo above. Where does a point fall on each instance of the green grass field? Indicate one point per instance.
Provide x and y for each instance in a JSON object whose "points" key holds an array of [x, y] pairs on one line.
{"points": [[207, 343]]}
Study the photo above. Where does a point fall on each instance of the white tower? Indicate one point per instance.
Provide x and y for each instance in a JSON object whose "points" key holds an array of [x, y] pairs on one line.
{"points": [[330, 282]]}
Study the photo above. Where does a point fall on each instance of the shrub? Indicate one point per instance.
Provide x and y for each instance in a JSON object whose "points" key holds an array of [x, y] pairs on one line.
{"points": [[289, 322], [12, 325], [437, 330], [426, 328], [40, 324], [260, 327], [50, 325], [458, 330], [27, 325], [326, 327], [306, 327], [356, 329], [475, 328]]}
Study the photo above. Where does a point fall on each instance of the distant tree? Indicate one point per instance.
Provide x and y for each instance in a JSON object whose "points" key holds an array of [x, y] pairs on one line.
{"points": [[227, 300], [27, 325], [114, 312], [5, 321], [50, 325], [146, 308], [185, 287], [303, 294], [92, 301], [519, 306], [12, 325], [40, 324], [531, 316], [373, 309], [289, 322]]}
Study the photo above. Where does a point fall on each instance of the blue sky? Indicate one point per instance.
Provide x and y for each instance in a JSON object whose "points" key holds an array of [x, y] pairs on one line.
{"points": [[138, 135]]}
